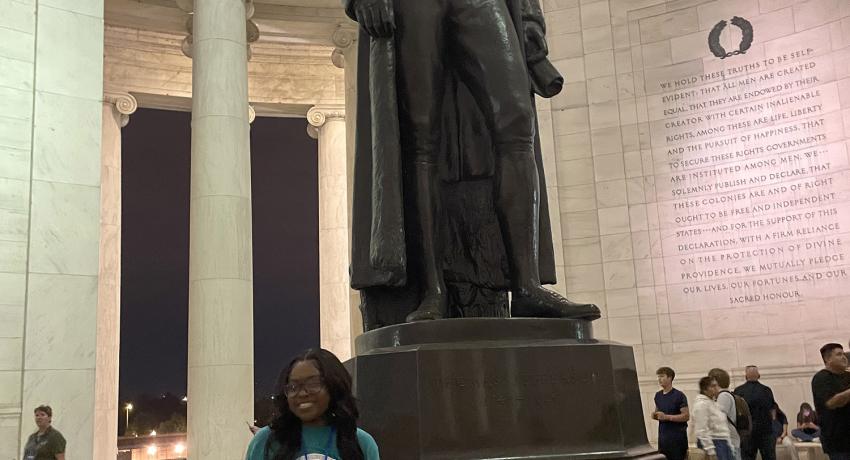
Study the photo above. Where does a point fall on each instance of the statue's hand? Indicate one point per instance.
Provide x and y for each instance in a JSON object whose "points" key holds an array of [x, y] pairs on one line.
{"points": [[376, 17], [535, 42]]}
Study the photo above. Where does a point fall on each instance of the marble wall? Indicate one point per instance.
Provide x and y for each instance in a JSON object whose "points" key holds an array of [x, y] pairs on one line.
{"points": [[611, 187], [17, 57], [50, 138]]}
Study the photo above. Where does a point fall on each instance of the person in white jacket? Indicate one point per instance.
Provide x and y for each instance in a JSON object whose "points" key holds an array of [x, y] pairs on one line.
{"points": [[727, 404], [710, 424]]}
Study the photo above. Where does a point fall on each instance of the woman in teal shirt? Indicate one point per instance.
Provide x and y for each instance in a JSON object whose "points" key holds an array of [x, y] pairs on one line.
{"points": [[318, 415]]}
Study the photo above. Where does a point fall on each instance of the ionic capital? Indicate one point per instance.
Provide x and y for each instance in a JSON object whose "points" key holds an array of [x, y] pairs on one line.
{"points": [[124, 104], [318, 115], [343, 39], [252, 32]]}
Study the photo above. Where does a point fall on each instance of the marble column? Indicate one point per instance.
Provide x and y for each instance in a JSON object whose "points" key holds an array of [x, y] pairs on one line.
{"points": [[345, 57], [117, 108], [327, 124], [220, 367]]}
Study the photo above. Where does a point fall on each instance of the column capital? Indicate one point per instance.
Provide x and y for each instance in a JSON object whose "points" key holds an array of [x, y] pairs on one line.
{"points": [[318, 115], [252, 32], [344, 37], [188, 6], [124, 103]]}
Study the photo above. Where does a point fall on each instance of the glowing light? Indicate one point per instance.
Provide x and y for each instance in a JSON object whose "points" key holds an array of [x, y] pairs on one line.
{"points": [[129, 406], [153, 432], [179, 448], [151, 449]]}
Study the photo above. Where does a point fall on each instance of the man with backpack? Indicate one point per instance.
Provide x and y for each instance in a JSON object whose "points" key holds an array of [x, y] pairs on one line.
{"points": [[727, 402], [760, 401]]}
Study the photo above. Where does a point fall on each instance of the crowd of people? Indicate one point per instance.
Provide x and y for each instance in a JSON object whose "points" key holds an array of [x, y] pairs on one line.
{"points": [[318, 416], [740, 424]]}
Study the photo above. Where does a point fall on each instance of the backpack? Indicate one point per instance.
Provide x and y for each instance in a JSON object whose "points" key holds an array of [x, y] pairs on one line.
{"points": [[743, 422]]}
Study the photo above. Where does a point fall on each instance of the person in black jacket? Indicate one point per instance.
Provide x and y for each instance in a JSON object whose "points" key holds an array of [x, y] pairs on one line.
{"points": [[760, 400], [831, 391]]}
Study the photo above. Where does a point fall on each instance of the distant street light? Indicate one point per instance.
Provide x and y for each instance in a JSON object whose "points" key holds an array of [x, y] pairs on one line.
{"points": [[127, 408], [185, 398], [152, 449], [179, 448]]}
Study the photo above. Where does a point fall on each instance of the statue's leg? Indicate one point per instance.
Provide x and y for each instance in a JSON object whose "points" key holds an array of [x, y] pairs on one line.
{"points": [[495, 71], [419, 37]]}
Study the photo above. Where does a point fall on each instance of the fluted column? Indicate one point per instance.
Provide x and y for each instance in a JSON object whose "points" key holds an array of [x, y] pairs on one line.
{"points": [[221, 370], [117, 108], [327, 124]]}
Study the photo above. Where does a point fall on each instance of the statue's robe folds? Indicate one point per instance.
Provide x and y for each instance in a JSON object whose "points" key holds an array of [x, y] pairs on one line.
{"points": [[475, 264]]}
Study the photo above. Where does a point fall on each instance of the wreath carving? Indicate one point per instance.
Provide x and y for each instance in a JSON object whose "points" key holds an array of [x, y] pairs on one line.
{"points": [[746, 37]]}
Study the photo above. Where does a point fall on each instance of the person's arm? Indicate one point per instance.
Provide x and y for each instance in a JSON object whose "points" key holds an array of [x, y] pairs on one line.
{"points": [[367, 445], [701, 429], [727, 405], [683, 417], [372, 453], [59, 447], [838, 400], [784, 433]]}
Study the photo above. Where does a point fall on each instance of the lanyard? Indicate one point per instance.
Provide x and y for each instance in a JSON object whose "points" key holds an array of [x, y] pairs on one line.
{"points": [[328, 443]]}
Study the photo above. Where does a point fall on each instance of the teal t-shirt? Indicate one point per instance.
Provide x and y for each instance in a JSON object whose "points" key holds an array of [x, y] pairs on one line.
{"points": [[316, 443]]}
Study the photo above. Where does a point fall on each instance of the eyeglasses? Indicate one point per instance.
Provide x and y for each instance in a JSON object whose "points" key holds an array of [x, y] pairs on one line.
{"points": [[310, 387]]}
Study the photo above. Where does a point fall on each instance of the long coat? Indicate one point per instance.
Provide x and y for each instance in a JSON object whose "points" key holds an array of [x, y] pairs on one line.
{"points": [[379, 250]]}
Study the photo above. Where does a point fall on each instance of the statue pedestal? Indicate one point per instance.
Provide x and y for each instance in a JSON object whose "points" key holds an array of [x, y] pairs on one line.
{"points": [[487, 388]]}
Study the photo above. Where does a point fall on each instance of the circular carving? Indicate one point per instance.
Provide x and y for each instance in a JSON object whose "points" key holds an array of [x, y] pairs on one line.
{"points": [[316, 118], [313, 132], [746, 37], [253, 32], [126, 104], [319, 115], [249, 9], [252, 114], [338, 58], [343, 37], [186, 46], [190, 25]]}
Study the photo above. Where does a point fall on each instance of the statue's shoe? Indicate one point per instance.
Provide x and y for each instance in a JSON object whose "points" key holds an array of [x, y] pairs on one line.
{"points": [[432, 307], [543, 303]]}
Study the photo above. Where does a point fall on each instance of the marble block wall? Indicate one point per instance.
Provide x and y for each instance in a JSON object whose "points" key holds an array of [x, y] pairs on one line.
{"points": [[17, 57], [628, 133], [51, 91]]}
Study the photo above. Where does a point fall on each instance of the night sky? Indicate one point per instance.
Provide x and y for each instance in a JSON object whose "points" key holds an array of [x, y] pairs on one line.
{"points": [[155, 249]]}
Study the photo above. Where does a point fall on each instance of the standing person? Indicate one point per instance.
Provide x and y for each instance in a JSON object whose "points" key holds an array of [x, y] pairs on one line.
{"points": [[807, 424], [47, 443], [726, 402], [831, 390], [318, 415], [759, 398], [711, 427], [671, 411], [780, 431]]}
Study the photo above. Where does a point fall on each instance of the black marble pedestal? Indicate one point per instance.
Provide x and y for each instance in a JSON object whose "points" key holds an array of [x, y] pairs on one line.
{"points": [[474, 389]]}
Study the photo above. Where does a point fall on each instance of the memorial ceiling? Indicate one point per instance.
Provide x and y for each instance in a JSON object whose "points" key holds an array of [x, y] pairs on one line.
{"points": [[284, 21]]}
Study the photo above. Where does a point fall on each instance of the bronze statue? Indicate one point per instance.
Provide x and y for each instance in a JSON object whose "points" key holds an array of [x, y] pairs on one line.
{"points": [[449, 201]]}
